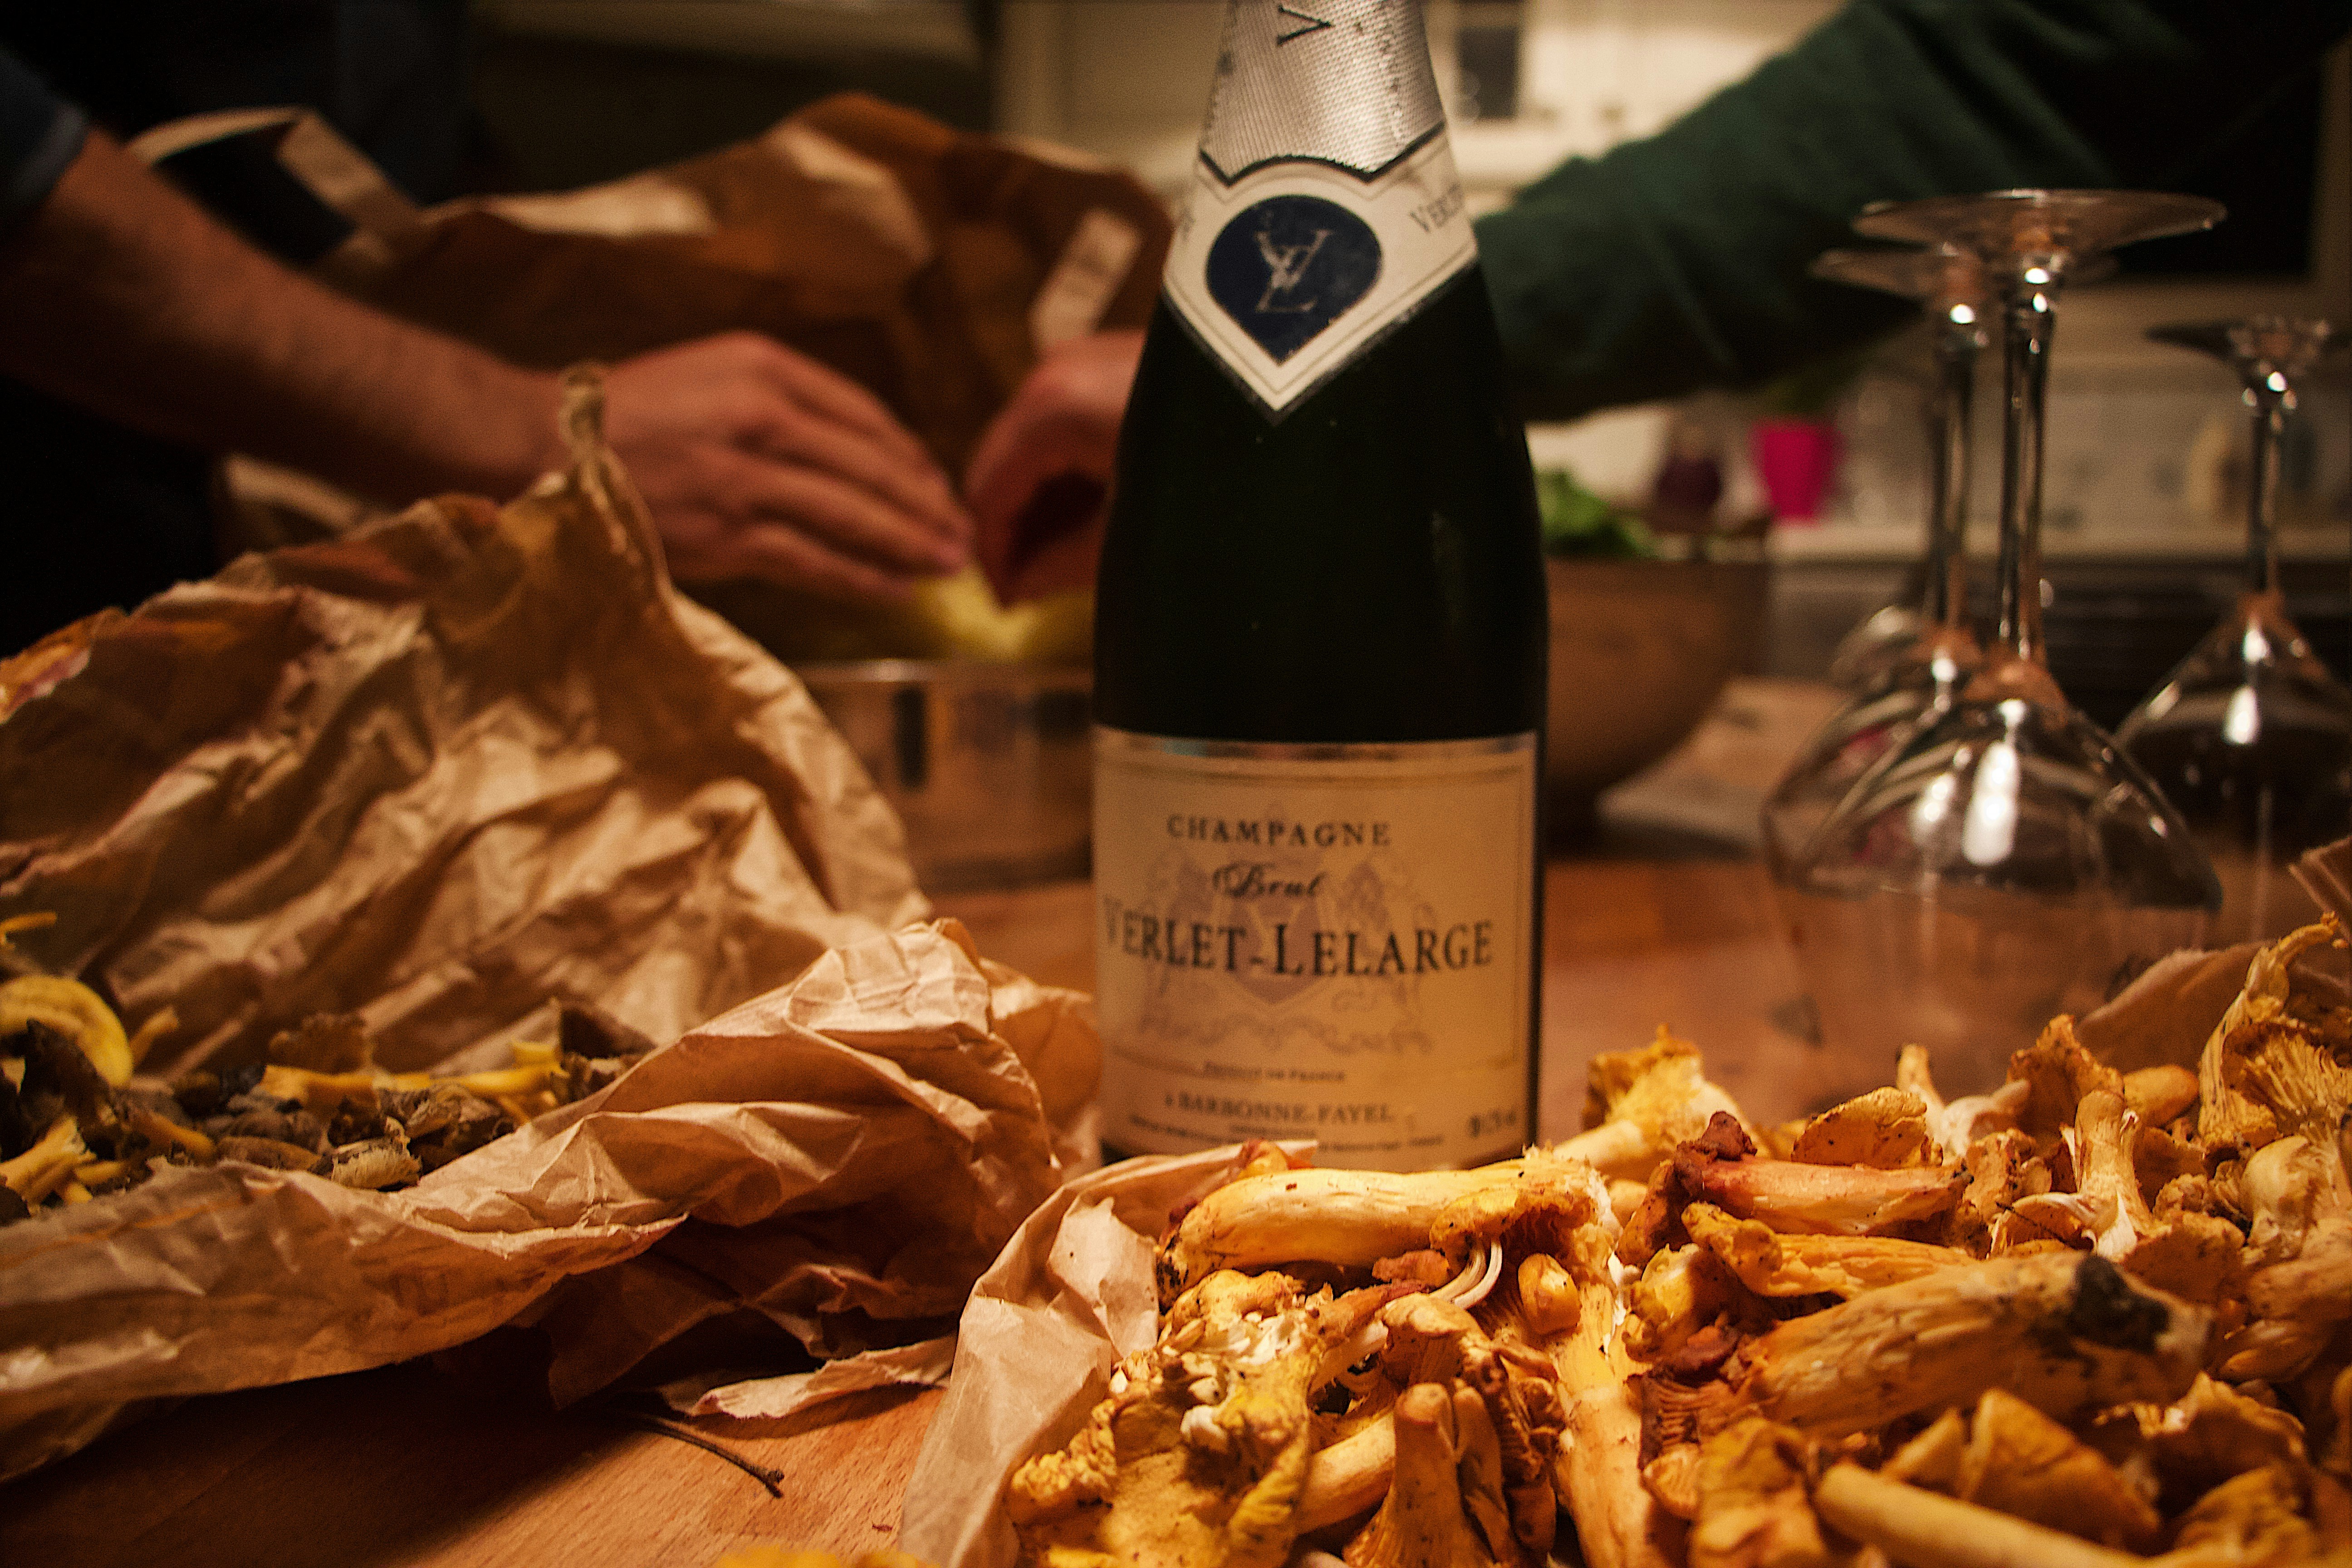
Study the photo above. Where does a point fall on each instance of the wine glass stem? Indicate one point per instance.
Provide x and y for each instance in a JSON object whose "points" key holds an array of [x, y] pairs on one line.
{"points": [[2263, 483], [1946, 604], [2025, 373]]}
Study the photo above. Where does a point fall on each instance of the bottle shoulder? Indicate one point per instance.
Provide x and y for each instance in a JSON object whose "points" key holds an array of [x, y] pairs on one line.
{"points": [[1365, 567]]}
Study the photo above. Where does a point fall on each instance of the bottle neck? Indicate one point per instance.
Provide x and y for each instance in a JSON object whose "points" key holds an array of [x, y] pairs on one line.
{"points": [[1342, 82], [1325, 207]]}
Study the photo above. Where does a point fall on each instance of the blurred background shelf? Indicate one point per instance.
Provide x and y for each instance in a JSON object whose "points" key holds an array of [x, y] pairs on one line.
{"points": [[572, 92]]}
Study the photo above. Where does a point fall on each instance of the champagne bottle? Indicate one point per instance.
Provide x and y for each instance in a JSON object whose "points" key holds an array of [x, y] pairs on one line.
{"points": [[1320, 639]]}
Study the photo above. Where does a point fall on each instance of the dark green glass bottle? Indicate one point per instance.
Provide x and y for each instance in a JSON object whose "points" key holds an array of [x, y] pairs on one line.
{"points": [[1320, 639]]}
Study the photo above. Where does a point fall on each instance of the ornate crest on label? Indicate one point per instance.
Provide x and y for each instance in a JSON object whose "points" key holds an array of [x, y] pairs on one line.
{"points": [[1289, 267], [1285, 277]]}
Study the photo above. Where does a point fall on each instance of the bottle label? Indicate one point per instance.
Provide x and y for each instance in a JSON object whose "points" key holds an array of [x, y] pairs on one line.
{"points": [[1325, 207], [1333, 941]]}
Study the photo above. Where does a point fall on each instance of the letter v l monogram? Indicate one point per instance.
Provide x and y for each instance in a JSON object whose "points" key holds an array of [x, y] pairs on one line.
{"points": [[1307, 23]]}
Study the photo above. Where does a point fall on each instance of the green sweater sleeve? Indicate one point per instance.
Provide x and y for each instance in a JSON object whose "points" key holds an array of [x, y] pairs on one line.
{"points": [[1679, 262]]}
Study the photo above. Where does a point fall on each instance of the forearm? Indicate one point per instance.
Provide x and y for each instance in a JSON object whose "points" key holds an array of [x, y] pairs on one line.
{"points": [[121, 296], [1679, 262]]}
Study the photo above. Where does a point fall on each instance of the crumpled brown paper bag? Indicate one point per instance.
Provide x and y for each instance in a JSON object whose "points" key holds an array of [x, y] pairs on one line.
{"points": [[1073, 1293], [932, 266], [842, 1157], [440, 772], [2166, 1014]]}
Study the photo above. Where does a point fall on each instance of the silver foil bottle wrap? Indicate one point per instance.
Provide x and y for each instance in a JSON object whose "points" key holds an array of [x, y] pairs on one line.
{"points": [[1345, 82], [1325, 207]]}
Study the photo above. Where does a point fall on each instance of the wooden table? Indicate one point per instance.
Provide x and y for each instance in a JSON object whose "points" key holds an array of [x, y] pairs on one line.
{"points": [[1665, 917]]}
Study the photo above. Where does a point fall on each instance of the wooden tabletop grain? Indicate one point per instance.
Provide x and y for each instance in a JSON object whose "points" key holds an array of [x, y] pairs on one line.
{"points": [[1664, 918]]}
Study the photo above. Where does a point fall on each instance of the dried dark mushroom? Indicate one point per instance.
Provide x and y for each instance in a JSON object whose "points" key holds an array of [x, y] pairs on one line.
{"points": [[18, 1130], [324, 1042], [57, 1079], [583, 1076], [318, 1105], [445, 1121], [582, 1030], [359, 1120], [374, 1164], [272, 1155], [297, 1127], [199, 1092]]}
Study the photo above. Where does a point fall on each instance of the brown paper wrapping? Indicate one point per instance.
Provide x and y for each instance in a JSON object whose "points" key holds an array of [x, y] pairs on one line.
{"points": [[440, 773], [923, 262], [842, 1157], [930, 265], [1072, 1294]]}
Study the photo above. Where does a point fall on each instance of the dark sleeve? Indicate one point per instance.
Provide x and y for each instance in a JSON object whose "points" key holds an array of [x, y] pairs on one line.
{"points": [[1677, 261], [39, 135]]}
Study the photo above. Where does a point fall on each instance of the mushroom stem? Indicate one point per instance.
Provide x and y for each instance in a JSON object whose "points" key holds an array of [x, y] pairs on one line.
{"points": [[1926, 1530], [1470, 1287], [49, 1164], [1349, 1218], [1349, 1476]]}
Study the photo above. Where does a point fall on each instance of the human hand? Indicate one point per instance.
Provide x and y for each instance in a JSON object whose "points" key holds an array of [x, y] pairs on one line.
{"points": [[1039, 476], [758, 461]]}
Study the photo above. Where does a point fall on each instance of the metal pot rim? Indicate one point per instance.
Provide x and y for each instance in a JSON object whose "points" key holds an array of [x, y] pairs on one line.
{"points": [[851, 674]]}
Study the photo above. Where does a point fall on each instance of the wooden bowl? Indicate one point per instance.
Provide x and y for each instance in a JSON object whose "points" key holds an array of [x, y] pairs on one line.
{"points": [[1639, 650]]}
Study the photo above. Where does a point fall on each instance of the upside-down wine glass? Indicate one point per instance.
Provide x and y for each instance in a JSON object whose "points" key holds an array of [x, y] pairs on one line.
{"points": [[2003, 861], [2251, 736], [1925, 666], [1885, 635]]}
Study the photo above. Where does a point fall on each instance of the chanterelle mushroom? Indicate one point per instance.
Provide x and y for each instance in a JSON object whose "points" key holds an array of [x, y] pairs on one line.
{"points": [[1199, 1456], [2064, 1332], [1347, 1219], [1640, 1104], [1427, 1521], [2266, 1073]]}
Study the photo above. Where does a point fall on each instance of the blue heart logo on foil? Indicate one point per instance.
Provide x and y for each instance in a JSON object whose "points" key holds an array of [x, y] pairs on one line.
{"points": [[1288, 267]]}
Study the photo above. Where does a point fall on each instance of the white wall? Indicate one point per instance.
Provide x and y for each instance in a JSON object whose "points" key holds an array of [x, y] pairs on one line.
{"points": [[1129, 80]]}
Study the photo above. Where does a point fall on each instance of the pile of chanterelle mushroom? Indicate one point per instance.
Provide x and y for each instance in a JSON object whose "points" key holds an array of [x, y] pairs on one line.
{"points": [[2089, 1317]]}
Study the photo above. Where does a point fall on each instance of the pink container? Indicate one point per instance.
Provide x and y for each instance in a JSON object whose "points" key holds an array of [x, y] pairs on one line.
{"points": [[1796, 459]]}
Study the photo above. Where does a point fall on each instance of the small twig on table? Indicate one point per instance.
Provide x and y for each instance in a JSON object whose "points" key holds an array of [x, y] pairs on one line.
{"points": [[772, 1479]]}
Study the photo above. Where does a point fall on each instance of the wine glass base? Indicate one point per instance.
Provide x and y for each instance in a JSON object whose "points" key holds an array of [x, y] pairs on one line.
{"points": [[1973, 975]]}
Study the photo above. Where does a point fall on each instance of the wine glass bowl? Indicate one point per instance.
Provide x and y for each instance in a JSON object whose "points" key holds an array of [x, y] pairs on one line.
{"points": [[2004, 865], [2250, 735], [1851, 740], [2259, 346], [2002, 860]]}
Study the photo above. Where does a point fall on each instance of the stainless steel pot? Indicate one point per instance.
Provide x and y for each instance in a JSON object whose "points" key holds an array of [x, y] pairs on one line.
{"points": [[989, 766]]}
